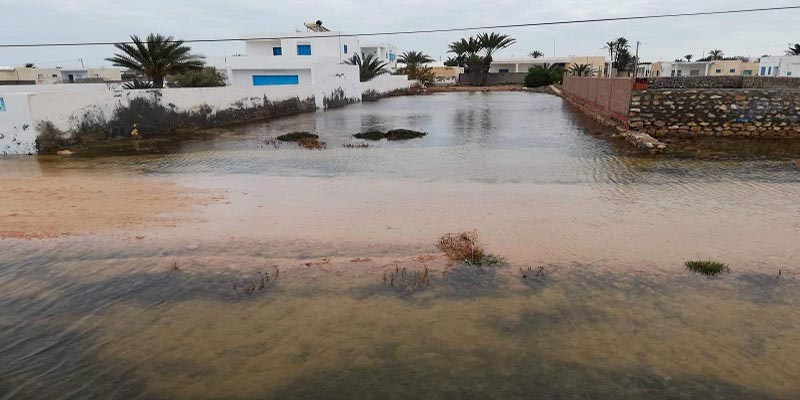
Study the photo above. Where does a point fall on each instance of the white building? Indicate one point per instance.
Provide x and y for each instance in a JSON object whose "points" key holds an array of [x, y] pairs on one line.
{"points": [[385, 52], [315, 58], [779, 66], [685, 68], [523, 64]]}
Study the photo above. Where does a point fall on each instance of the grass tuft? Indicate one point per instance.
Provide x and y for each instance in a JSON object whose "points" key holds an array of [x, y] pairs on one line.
{"points": [[707, 267], [296, 136], [463, 246]]}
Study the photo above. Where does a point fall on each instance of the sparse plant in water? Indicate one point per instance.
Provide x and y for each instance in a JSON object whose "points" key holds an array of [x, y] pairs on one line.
{"points": [[462, 247], [156, 57], [370, 135], [311, 143], [403, 134], [707, 267], [296, 136]]}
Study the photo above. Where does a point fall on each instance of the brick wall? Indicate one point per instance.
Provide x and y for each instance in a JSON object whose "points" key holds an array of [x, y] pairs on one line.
{"points": [[723, 112], [607, 99]]}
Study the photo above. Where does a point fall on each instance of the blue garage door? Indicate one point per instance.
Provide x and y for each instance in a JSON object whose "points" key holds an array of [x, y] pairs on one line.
{"points": [[272, 80]]}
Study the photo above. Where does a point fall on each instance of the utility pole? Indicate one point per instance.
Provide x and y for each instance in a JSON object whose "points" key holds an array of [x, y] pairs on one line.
{"points": [[636, 61], [82, 66]]}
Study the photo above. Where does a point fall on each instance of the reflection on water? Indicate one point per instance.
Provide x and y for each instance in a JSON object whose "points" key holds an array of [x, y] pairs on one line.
{"points": [[103, 317], [127, 327]]}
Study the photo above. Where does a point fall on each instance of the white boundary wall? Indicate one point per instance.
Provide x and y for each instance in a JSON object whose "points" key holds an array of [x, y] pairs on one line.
{"points": [[386, 83]]}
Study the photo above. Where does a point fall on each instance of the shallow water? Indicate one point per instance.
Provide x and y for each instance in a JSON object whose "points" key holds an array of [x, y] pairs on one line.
{"points": [[614, 315]]}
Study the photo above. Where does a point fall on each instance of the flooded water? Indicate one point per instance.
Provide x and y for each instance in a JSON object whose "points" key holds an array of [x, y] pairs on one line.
{"points": [[257, 297]]}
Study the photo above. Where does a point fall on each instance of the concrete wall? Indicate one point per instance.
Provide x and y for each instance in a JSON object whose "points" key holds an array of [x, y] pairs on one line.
{"points": [[66, 110], [607, 99], [385, 86], [510, 78], [17, 134], [721, 112]]}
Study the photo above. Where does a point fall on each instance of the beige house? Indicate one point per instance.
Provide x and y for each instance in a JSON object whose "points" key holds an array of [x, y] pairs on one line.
{"points": [[500, 65], [49, 76], [733, 67], [704, 68]]}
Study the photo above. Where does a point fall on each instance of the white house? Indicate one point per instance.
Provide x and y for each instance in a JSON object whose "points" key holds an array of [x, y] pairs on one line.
{"points": [[685, 68], [523, 64], [385, 52], [315, 58], [779, 66]]}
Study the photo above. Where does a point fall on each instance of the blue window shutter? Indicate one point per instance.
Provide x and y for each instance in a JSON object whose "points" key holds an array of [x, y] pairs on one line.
{"points": [[277, 51], [303, 49], [345, 49], [275, 80]]}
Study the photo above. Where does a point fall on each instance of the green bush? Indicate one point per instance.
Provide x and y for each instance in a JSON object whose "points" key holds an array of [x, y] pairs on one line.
{"points": [[543, 76], [206, 77], [707, 267], [297, 136]]}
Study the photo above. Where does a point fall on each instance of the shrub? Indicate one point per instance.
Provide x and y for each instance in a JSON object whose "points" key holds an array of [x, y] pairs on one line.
{"points": [[296, 136], [462, 246], [707, 267], [370, 135], [543, 76], [403, 134], [311, 143], [206, 77]]}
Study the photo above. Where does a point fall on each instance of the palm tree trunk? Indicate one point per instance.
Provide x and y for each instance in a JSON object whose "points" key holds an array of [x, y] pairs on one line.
{"points": [[158, 82]]}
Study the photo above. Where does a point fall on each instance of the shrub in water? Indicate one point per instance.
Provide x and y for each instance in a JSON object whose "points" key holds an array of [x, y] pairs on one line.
{"points": [[403, 134], [462, 246], [370, 135], [707, 267], [296, 136]]}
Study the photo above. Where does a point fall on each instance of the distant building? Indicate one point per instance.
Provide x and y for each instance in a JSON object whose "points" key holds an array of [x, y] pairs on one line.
{"points": [[385, 52], [779, 66], [523, 64], [48, 76], [734, 67]]}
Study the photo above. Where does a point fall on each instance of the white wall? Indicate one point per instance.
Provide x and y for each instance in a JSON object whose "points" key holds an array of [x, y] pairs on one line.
{"points": [[386, 83], [244, 77], [327, 78], [56, 88], [17, 133], [332, 46], [780, 66]]}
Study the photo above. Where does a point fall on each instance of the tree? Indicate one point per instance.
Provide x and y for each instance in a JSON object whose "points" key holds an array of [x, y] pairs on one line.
{"points": [[457, 61], [30, 65], [580, 69], [716, 54], [156, 57], [536, 54], [794, 50], [476, 52], [688, 57], [611, 46], [206, 77], [420, 73], [369, 67], [414, 57]]}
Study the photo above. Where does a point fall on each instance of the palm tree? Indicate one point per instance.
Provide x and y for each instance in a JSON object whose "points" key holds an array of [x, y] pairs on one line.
{"points": [[580, 69], [716, 54], [611, 46], [369, 67], [156, 57], [491, 42], [414, 58], [536, 54], [466, 51], [688, 57], [794, 50]]}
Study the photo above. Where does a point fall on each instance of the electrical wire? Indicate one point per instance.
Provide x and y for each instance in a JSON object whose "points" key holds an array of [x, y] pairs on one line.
{"points": [[424, 31]]}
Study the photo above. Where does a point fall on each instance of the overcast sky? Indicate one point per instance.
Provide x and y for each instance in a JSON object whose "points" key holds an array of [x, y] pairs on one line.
{"points": [[110, 20]]}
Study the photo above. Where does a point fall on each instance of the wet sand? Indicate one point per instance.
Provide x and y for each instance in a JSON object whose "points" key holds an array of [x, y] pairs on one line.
{"points": [[35, 207]]}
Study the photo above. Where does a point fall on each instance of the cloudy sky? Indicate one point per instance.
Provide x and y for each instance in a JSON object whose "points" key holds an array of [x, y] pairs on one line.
{"points": [[110, 20]]}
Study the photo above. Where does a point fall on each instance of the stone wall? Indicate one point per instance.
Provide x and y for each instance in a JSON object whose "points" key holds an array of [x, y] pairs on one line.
{"points": [[606, 99], [723, 82], [494, 78], [721, 112]]}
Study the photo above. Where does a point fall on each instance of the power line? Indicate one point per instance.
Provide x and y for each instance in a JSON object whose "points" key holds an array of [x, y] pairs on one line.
{"points": [[422, 31]]}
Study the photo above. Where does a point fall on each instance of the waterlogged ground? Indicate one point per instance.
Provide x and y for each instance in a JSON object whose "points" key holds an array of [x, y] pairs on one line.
{"points": [[297, 274]]}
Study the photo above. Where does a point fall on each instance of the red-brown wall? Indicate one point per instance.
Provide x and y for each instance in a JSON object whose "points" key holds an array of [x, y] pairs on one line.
{"points": [[606, 98]]}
